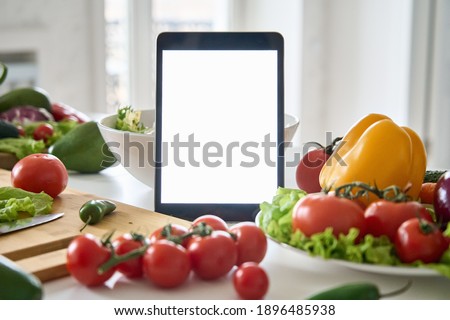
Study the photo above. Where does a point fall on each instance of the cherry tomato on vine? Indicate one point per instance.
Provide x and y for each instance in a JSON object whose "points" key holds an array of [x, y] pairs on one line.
{"points": [[85, 254], [212, 256], [124, 244], [213, 221], [251, 242], [316, 212], [40, 172], [418, 239], [166, 264], [385, 217], [175, 230], [251, 281]]}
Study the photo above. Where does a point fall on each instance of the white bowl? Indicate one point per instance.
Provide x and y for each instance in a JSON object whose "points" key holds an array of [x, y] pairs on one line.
{"points": [[134, 151]]}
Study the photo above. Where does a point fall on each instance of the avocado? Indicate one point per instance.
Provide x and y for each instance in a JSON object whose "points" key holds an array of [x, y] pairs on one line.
{"points": [[83, 149], [29, 96]]}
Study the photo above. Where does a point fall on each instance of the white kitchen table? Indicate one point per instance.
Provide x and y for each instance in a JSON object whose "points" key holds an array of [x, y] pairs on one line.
{"points": [[292, 275]]}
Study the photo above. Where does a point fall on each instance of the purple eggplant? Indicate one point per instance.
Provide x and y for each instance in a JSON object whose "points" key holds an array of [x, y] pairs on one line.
{"points": [[442, 200]]}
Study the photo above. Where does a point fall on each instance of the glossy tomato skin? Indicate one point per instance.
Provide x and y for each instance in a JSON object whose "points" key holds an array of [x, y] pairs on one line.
{"points": [[308, 170], [85, 254], [124, 244], [441, 200], [251, 242], [176, 230], [166, 264], [215, 222], [43, 132], [250, 281], [385, 217], [316, 212], [40, 172], [62, 111], [412, 243], [212, 256]]}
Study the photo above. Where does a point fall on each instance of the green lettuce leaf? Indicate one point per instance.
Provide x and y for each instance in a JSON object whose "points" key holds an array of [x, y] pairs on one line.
{"points": [[21, 147], [276, 220], [15, 200]]}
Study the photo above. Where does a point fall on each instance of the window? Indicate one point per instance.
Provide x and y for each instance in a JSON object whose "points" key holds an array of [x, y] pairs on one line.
{"points": [[131, 31]]}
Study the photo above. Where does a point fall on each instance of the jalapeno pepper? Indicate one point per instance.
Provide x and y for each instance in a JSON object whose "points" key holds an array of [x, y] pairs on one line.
{"points": [[356, 291], [93, 211]]}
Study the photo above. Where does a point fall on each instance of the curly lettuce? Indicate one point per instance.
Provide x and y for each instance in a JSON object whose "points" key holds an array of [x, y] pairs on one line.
{"points": [[14, 201], [129, 119], [276, 220]]}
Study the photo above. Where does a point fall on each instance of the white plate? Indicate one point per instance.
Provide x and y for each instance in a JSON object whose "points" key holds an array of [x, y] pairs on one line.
{"points": [[379, 269]]}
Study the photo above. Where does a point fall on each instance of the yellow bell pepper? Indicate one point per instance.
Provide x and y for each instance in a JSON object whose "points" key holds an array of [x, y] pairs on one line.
{"points": [[377, 152]]}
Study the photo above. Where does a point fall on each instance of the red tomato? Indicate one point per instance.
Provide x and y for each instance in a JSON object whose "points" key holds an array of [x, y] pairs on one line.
{"points": [[85, 254], [62, 111], [40, 172], [213, 221], [166, 264], [251, 242], [308, 170], [384, 217], [251, 281], [124, 244], [175, 230], [212, 256], [419, 239], [43, 132], [316, 212]]}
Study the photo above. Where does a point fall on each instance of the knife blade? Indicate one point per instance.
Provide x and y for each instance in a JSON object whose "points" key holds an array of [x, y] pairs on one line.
{"points": [[19, 224]]}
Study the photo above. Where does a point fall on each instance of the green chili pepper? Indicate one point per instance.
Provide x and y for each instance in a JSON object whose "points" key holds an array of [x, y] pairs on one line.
{"points": [[356, 291], [93, 211]]}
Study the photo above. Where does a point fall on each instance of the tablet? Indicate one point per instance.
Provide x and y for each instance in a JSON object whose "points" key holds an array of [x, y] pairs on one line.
{"points": [[219, 123]]}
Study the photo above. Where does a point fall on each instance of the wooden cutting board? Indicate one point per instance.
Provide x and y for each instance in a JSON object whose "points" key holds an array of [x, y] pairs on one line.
{"points": [[41, 250]]}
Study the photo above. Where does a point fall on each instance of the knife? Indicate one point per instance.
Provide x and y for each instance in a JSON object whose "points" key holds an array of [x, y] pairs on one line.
{"points": [[7, 227]]}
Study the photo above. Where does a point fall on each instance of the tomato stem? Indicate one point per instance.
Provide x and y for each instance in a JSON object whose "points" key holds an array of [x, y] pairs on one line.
{"points": [[202, 230], [116, 259], [86, 223], [392, 193], [331, 147]]}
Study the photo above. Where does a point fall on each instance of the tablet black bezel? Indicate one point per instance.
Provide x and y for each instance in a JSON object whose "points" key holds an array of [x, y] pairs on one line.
{"points": [[217, 41]]}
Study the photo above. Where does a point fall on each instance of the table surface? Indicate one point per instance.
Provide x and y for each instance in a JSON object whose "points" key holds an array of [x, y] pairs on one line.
{"points": [[292, 275]]}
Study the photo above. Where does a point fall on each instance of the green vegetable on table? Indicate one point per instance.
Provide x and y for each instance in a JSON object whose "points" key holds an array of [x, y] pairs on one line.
{"points": [[21, 147], [28, 96], [356, 291], [60, 129], [276, 221], [93, 211], [14, 201], [78, 155], [17, 284], [129, 119]]}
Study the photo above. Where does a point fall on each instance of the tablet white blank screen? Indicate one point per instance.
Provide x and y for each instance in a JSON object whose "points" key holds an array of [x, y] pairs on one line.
{"points": [[219, 126]]}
